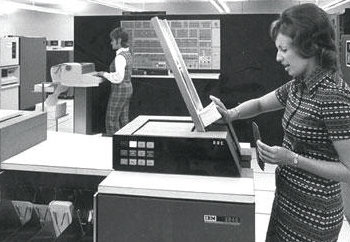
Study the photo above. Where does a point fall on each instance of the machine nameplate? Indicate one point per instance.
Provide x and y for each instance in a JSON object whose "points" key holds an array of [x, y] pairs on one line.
{"points": [[227, 220]]}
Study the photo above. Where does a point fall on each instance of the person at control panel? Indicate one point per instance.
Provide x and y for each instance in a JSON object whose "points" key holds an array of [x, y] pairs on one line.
{"points": [[117, 114], [315, 154]]}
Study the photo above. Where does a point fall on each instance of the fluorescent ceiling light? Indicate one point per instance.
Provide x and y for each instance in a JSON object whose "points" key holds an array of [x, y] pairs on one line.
{"points": [[73, 6], [220, 5], [224, 6], [334, 4], [122, 6], [47, 1], [7, 8], [34, 8], [220, 10]]}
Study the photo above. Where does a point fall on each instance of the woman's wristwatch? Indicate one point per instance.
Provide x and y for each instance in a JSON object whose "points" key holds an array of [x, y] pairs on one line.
{"points": [[236, 111], [295, 159]]}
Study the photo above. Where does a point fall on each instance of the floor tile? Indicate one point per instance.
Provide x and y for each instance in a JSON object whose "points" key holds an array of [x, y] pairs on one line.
{"points": [[264, 181], [261, 224], [263, 202]]}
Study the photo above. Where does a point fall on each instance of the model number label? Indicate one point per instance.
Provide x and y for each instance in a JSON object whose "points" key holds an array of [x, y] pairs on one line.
{"points": [[229, 220]]}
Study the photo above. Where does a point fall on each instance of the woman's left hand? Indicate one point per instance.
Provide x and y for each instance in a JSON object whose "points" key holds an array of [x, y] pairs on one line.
{"points": [[274, 154]]}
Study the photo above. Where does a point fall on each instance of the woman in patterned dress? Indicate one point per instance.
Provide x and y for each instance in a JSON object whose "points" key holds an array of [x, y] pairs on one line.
{"points": [[315, 154], [117, 113]]}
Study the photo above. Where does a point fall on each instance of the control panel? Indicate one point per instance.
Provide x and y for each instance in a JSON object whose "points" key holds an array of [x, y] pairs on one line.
{"points": [[173, 155], [9, 75], [9, 51], [136, 153], [198, 41]]}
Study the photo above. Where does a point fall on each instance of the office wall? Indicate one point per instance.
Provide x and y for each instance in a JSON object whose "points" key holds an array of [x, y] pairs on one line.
{"points": [[38, 24]]}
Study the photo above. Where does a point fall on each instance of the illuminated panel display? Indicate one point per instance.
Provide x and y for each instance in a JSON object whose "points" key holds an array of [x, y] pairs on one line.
{"points": [[198, 41]]}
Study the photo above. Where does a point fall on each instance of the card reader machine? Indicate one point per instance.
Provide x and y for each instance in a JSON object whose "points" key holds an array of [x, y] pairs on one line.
{"points": [[168, 144], [176, 178]]}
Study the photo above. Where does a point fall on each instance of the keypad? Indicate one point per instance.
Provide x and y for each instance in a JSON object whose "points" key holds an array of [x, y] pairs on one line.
{"points": [[150, 145], [132, 153], [141, 144], [150, 154], [141, 162], [137, 153], [132, 162], [123, 161], [123, 153], [141, 153], [150, 162]]}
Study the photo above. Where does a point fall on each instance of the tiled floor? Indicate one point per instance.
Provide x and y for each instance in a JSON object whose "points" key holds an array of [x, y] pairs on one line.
{"points": [[264, 184]]}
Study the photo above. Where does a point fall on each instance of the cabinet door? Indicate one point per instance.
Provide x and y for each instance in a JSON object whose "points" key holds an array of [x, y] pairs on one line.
{"points": [[9, 97], [32, 71]]}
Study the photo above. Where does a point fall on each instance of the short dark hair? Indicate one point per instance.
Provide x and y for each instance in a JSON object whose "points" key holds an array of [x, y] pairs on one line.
{"points": [[120, 33], [311, 31]]}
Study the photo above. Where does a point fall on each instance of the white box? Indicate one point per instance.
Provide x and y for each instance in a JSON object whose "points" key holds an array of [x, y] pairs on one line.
{"points": [[53, 112]]}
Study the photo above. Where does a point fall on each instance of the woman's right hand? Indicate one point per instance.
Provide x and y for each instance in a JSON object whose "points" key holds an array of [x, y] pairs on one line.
{"points": [[227, 114]]}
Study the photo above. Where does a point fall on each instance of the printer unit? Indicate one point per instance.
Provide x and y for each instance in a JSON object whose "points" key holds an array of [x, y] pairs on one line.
{"points": [[75, 74]]}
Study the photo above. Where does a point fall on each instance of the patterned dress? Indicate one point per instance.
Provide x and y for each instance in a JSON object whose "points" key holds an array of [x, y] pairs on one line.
{"points": [[117, 114], [308, 207]]}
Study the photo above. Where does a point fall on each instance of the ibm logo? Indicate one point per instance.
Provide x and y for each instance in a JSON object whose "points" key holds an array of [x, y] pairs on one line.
{"points": [[209, 218]]}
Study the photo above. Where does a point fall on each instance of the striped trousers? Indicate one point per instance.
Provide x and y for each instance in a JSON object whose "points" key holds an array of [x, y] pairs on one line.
{"points": [[117, 114]]}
